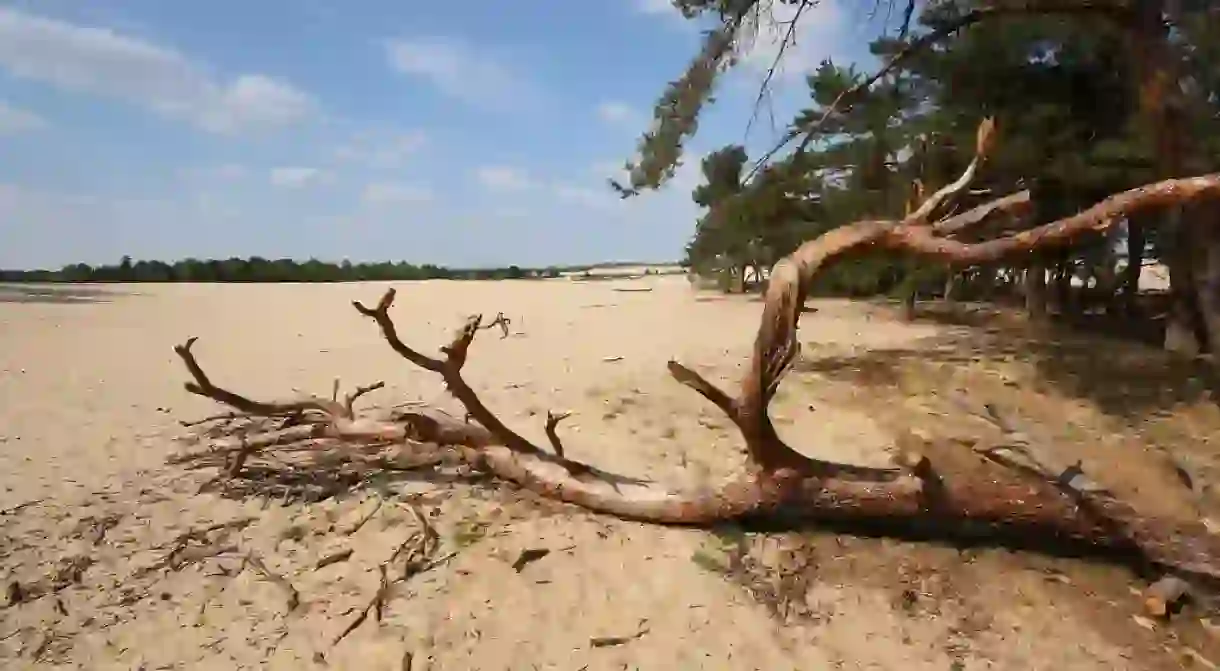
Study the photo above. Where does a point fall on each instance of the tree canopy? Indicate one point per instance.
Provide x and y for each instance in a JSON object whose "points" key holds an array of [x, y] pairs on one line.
{"points": [[258, 269], [1062, 80]]}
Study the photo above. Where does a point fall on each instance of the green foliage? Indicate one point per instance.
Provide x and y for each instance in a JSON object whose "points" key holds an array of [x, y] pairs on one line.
{"points": [[1063, 91], [676, 114], [258, 269]]}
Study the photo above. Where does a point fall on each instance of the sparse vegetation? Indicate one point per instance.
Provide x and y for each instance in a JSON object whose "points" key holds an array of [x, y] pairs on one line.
{"points": [[258, 269], [1073, 85]]}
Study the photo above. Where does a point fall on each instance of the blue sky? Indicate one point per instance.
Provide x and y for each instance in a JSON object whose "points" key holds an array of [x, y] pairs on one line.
{"points": [[458, 134]]}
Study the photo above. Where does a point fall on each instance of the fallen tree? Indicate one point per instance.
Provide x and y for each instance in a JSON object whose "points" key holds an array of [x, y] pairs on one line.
{"points": [[1029, 501]]}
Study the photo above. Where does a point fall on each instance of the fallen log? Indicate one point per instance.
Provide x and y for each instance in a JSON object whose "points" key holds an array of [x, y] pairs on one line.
{"points": [[1021, 506]]}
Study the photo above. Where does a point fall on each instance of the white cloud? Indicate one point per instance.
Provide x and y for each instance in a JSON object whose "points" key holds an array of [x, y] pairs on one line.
{"points": [[50, 228], [102, 62], [619, 113], [394, 193], [298, 177], [14, 121], [380, 150], [665, 11], [503, 178], [460, 71], [655, 6]]}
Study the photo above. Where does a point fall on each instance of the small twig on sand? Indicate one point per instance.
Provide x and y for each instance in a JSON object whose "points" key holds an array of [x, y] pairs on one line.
{"points": [[418, 550], [609, 641], [238, 459], [501, 321], [223, 417], [293, 596], [364, 520], [94, 529], [333, 558], [68, 571], [350, 401], [375, 604], [19, 507], [529, 556], [182, 554]]}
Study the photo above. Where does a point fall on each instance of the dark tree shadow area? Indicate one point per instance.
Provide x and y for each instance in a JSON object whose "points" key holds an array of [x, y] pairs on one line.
{"points": [[1123, 378], [58, 294]]}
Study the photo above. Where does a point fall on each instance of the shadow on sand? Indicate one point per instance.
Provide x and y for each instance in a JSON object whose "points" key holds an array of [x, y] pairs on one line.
{"points": [[1124, 379]]}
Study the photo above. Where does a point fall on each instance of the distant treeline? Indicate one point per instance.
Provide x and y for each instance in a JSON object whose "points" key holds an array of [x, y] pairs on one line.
{"points": [[258, 269]]}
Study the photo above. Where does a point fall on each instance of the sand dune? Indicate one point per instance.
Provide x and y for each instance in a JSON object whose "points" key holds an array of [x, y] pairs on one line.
{"points": [[90, 395]]}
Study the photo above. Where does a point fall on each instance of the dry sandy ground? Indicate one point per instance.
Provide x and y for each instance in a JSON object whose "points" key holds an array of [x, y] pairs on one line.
{"points": [[90, 395]]}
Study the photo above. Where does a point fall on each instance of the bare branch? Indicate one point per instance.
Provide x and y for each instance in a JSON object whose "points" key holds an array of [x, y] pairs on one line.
{"points": [[907, 14], [789, 39], [552, 422], [706, 389], [501, 321], [456, 351], [221, 417], [350, 401], [381, 314], [451, 371], [204, 387], [1014, 205], [336, 419], [782, 484], [984, 141], [1096, 219]]}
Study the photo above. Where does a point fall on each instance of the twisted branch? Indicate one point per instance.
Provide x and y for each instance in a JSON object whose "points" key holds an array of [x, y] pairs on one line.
{"points": [[780, 483]]}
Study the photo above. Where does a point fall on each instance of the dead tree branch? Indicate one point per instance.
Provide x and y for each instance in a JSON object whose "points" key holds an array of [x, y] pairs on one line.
{"points": [[780, 483], [552, 435], [501, 321]]}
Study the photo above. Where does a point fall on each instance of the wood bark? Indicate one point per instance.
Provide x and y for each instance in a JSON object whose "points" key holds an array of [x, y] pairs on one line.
{"points": [[1193, 317], [1035, 291], [1136, 242], [1036, 505], [1206, 270]]}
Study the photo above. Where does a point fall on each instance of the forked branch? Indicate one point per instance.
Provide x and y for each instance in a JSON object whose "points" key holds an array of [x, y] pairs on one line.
{"points": [[781, 484], [203, 386]]}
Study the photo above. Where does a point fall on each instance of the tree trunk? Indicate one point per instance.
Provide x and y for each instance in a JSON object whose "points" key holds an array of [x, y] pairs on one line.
{"points": [[908, 303], [1063, 282], [1185, 332], [1136, 241], [1206, 268], [1164, 115], [1035, 291], [951, 279]]}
